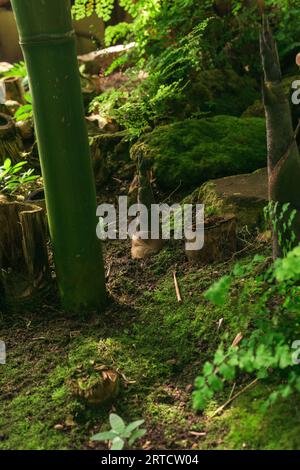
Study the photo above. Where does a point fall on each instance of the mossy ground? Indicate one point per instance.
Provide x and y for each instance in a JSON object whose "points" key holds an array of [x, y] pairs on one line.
{"points": [[156, 344]]}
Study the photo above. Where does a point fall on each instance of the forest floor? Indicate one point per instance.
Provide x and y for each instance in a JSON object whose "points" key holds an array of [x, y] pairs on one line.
{"points": [[159, 347]]}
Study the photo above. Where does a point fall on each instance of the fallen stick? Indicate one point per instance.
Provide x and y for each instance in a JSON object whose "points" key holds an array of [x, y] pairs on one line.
{"points": [[107, 276], [177, 289], [221, 408]]}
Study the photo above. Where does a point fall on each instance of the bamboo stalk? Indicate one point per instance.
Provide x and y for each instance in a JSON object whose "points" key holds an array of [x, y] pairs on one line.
{"points": [[48, 43]]}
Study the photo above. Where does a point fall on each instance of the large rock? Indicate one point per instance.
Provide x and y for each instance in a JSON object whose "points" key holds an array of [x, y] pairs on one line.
{"points": [[220, 91], [190, 152], [245, 196]]}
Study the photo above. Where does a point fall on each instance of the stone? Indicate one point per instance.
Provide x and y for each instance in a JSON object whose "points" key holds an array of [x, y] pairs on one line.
{"points": [[245, 196], [97, 61], [190, 152]]}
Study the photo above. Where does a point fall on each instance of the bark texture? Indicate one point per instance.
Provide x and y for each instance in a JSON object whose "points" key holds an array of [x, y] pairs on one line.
{"points": [[24, 267]]}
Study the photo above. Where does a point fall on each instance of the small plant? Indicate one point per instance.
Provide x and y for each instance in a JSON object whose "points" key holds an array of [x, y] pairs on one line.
{"points": [[266, 350], [120, 433], [18, 70], [12, 177], [25, 112]]}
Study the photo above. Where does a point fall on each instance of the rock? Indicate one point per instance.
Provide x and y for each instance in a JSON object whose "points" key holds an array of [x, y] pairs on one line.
{"points": [[256, 109], [220, 240], [110, 156], [5, 67], [243, 195], [220, 92], [97, 61], [190, 152]]}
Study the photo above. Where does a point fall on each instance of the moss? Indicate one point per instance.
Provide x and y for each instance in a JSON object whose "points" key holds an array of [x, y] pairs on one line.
{"points": [[256, 109], [245, 196], [157, 345], [221, 92], [193, 151], [246, 425]]}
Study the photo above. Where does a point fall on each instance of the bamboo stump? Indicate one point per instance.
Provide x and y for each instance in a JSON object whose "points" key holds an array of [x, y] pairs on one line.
{"points": [[14, 89], [220, 240], [24, 266], [10, 141]]}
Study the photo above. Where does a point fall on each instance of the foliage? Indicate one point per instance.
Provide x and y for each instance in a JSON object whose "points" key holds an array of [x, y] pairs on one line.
{"points": [[120, 434], [12, 177], [18, 70], [267, 350], [137, 109], [25, 112], [176, 41]]}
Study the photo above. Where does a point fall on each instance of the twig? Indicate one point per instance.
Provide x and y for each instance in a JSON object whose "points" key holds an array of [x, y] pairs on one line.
{"points": [[232, 390], [173, 192], [221, 408], [178, 294], [108, 272]]}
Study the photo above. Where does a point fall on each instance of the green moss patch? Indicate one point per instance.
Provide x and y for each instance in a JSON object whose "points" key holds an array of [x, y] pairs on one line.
{"points": [[193, 151]]}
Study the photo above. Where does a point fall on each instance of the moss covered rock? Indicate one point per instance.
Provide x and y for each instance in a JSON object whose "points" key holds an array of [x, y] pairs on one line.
{"points": [[245, 196], [221, 92], [193, 151]]}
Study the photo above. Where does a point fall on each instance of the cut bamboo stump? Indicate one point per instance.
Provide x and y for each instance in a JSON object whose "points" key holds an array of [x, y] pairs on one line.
{"points": [[10, 141], [24, 266], [220, 240], [14, 89]]}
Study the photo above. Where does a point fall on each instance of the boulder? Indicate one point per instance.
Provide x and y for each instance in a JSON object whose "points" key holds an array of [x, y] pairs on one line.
{"points": [[187, 153], [245, 196], [220, 91]]}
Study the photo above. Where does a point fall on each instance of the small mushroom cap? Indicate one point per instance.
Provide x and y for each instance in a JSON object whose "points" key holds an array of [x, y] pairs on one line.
{"points": [[298, 59]]}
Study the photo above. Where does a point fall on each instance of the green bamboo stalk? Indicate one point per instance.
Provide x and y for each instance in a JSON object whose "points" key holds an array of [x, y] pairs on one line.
{"points": [[48, 43]]}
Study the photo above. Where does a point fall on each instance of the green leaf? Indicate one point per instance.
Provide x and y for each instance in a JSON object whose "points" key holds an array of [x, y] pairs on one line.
{"points": [[117, 423], [215, 382], [218, 292], [135, 424], [7, 164], [208, 369], [117, 443], [104, 436], [227, 371], [219, 357], [138, 434]]}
